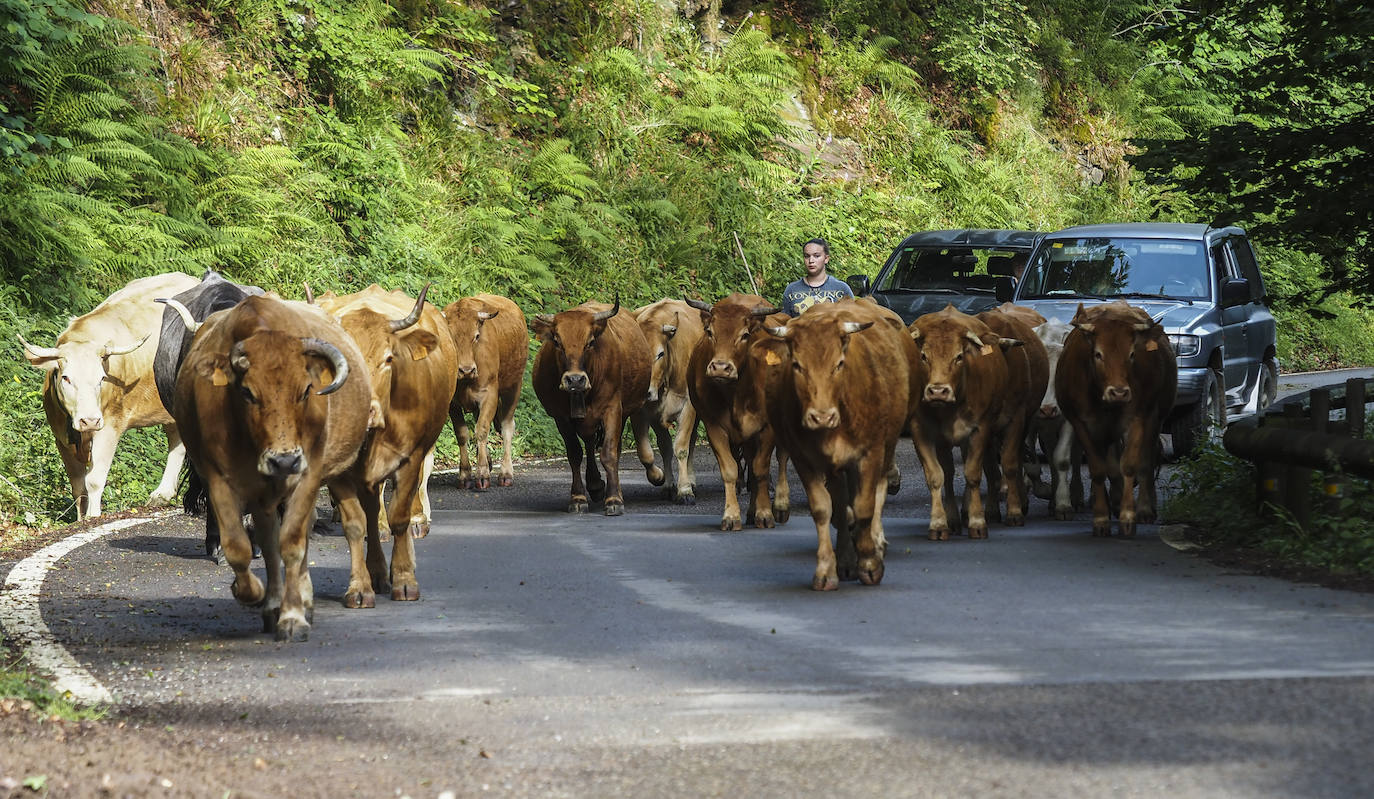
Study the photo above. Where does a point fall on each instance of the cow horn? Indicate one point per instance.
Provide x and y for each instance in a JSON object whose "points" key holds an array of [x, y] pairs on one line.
{"points": [[186, 319], [601, 316], [324, 349], [698, 304], [309, 295], [483, 316], [779, 332], [972, 336], [853, 327], [107, 350], [1141, 327], [37, 352], [764, 311], [402, 324]]}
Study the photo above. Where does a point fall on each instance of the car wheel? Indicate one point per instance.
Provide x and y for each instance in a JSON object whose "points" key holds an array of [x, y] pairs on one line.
{"points": [[1204, 420], [1268, 385]]}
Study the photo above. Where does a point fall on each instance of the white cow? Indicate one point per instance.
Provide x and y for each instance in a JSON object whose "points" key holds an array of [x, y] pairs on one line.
{"points": [[98, 383], [1055, 434]]}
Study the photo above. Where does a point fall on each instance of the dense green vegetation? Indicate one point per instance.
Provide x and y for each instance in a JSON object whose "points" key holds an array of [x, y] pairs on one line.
{"points": [[557, 152]]}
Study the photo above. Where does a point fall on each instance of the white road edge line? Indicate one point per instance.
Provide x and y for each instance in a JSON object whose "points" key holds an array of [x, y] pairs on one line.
{"points": [[22, 618]]}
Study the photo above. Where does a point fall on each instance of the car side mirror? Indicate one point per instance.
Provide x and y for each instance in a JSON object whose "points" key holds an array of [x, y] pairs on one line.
{"points": [[1235, 291], [1004, 289], [859, 285]]}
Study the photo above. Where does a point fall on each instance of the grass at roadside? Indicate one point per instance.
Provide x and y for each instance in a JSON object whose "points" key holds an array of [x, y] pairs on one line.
{"points": [[23, 690]]}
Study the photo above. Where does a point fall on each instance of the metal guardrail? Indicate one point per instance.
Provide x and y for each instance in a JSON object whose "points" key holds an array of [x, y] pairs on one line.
{"points": [[1288, 443]]}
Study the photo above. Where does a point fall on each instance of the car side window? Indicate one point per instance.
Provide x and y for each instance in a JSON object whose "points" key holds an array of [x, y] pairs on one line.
{"points": [[1244, 258], [1222, 262]]}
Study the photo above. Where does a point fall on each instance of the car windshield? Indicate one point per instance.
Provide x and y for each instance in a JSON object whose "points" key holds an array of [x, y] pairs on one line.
{"points": [[950, 269], [1118, 267]]}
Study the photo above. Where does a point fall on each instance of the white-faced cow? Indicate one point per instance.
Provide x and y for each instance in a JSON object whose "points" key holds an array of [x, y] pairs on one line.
{"points": [[1116, 383], [672, 328], [843, 404], [493, 349], [1054, 433], [412, 366], [98, 383], [591, 372], [732, 378], [273, 401]]}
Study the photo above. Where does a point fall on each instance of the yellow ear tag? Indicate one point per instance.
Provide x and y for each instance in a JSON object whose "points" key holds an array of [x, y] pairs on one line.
{"points": [[1151, 346], [987, 349], [771, 358], [219, 378], [419, 353]]}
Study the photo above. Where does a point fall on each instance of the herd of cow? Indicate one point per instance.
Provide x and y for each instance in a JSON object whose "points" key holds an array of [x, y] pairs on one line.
{"points": [[272, 399]]}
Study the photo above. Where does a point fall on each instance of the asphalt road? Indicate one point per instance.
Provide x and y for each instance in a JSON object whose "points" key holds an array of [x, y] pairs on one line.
{"points": [[651, 654]]}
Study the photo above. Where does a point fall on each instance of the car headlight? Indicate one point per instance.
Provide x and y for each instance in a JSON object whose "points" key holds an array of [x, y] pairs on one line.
{"points": [[1185, 346]]}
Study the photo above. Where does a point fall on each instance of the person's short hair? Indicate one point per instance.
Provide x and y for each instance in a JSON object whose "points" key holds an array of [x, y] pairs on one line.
{"points": [[825, 245]]}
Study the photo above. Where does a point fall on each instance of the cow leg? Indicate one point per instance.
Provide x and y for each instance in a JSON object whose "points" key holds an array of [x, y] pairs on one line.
{"points": [[1094, 453], [760, 481], [870, 542], [486, 414], [458, 416], [997, 490], [613, 423], [664, 439], [507, 414], [684, 445], [844, 517], [1136, 467], [644, 448], [166, 490], [979, 443], [75, 467], [572, 445], [596, 485], [1064, 482], [827, 576], [404, 585], [421, 511], [238, 549], [937, 479], [782, 495], [729, 475], [103, 444], [297, 598], [355, 528], [1013, 441]]}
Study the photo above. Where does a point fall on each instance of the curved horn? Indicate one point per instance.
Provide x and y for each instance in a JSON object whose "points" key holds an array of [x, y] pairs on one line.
{"points": [[186, 319], [764, 311], [402, 324], [601, 316], [973, 337], [1141, 327], [779, 332], [324, 349], [850, 328], [309, 295], [37, 352], [698, 304], [107, 350]]}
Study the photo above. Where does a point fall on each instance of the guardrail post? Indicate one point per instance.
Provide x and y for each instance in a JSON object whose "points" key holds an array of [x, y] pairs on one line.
{"points": [[1354, 407], [1333, 482], [1296, 479]]}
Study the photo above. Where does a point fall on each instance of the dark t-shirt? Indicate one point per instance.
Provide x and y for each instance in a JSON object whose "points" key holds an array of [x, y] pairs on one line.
{"points": [[798, 296]]}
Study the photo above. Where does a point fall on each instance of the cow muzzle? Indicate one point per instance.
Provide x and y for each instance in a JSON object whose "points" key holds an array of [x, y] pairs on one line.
{"points": [[1116, 395], [939, 393], [90, 424], [1049, 412], [577, 385], [722, 370], [827, 419], [280, 465], [467, 371]]}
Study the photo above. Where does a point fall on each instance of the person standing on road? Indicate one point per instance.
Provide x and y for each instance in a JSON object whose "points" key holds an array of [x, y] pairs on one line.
{"points": [[817, 286]]}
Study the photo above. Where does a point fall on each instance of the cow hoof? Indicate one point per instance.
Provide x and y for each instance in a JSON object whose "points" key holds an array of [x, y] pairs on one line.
{"points": [[384, 535], [505, 481], [293, 630], [847, 573], [405, 593], [1063, 514], [1127, 529], [1145, 517], [360, 599], [871, 574], [1016, 521], [781, 515], [764, 521], [578, 506], [730, 525], [977, 531], [614, 508], [250, 594], [655, 475], [827, 582], [465, 482], [939, 535], [419, 529], [483, 484], [685, 499], [1102, 528]]}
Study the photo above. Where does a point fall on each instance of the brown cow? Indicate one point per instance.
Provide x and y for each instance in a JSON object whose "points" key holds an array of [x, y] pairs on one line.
{"points": [[591, 372], [672, 328], [493, 348], [843, 404], [1028, 375], [734, 373], [1116, 383], [412, 367], [98, 383], [963, 377], [272, 400]]}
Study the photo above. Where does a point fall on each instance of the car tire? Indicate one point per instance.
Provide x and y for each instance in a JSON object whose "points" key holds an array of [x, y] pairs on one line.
{"points": [[1204, 420], [1268, 385]]}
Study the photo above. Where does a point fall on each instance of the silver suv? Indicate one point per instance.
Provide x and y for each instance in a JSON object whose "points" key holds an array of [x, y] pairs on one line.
{"points": [[1201, 283]]}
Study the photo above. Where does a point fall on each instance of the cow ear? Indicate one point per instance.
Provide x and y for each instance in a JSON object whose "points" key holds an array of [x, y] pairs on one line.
{"points": [[421, 343], [215, 369], [1008, 343], [543, 324]]}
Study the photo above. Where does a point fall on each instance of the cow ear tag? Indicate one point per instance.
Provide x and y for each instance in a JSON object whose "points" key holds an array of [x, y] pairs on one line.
{"points": [[987, 349], [219, 378], [418, 353], [1151, 346], [771, 358]]}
